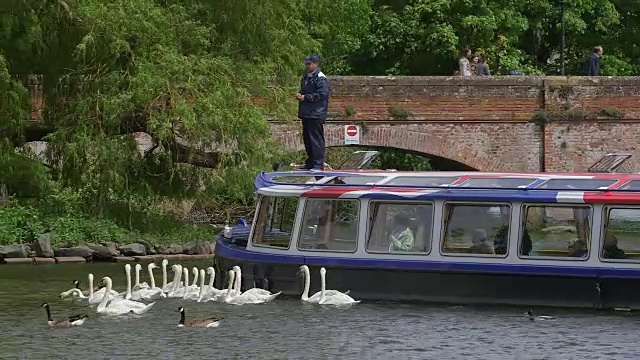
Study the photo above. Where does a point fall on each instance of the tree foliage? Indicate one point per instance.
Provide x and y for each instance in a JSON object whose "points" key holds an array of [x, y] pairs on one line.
{"points": [[197, 79]]}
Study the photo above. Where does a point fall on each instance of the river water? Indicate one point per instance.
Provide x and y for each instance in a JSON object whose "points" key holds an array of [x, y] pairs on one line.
{"points": [[290, 329]]}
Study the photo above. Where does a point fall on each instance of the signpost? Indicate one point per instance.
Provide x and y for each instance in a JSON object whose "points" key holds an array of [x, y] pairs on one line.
{"points": [[351, 135]]}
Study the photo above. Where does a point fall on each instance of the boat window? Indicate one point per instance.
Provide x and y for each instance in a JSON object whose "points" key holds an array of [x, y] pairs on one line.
{"points": [[555, 231], [422, 180], [476, 229], [577, 184], [330, 225], [288, 179], [357, 180], [510, 183], [274, 222], [621, 234], [401, 228]]}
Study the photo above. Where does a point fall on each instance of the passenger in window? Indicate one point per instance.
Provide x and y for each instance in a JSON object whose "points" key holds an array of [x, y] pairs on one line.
{"points": [[500, 242], [610, 249], [526, 246], [480, 244], [401, 236], [578, 248]]}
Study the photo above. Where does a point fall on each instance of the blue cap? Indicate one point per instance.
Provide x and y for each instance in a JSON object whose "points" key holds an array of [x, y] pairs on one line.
{"points": [[313, 58]]}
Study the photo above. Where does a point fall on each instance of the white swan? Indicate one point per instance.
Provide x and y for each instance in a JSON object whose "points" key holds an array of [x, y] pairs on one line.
{"points": [[73, 292], [251, 296], [96, 296], [193, 292], [336, 298], [230, 292], [304, 269], [176, 290], [152, 292], [190, 291], [119, 306], [166, 287], [138, 285], [256, 292], [209, 293]]}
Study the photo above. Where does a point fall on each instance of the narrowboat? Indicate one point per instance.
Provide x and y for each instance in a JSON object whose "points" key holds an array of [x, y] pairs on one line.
{"points": [[534, 239]]}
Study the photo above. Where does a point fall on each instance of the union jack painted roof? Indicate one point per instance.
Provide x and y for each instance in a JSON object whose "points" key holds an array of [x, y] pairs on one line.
{"points": [[587, 188]]}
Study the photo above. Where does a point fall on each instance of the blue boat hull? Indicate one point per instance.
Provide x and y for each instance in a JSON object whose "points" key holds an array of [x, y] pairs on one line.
{"points": [[435, 283]]}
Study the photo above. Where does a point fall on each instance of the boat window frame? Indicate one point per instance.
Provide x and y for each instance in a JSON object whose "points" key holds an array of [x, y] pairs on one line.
{"points": [[605, 220], [523, 221], [255, 226], [370, 224], [302, 220], [443, 230]]}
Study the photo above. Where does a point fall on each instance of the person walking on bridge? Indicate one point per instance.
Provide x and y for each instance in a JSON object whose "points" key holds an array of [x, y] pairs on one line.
{"points": [[313, 101]]}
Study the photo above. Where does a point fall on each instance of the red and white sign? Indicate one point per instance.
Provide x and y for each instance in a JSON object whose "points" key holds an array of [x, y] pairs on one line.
{"points": [[351, 135]]}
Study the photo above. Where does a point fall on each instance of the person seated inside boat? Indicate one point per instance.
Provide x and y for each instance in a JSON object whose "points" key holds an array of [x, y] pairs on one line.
{"points": [[480, 244], [500, 243], [610, 250], [577, 248], [401, 236]]}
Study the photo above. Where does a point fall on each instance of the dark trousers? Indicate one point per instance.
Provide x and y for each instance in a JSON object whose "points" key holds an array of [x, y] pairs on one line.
{"points": [[313, 136]]}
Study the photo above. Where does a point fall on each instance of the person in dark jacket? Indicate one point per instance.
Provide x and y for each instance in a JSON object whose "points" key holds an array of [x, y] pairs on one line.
{"points": [[593, 68], [312, 110]]}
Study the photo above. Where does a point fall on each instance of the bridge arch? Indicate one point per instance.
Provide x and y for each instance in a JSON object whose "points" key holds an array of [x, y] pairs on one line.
{"points": [[394, 136]]}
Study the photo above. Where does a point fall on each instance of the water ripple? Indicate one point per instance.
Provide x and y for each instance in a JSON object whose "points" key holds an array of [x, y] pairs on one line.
{"points": [[290, 329]]}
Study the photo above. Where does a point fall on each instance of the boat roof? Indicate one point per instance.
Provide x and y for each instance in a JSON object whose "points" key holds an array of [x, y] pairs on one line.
{"points": [[609, 188]]}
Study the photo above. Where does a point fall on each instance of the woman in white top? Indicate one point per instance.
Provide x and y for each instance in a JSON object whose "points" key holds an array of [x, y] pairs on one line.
{"points": [[465, 67]]}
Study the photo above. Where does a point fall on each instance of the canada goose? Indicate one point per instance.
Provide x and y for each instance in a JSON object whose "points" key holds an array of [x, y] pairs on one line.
{"points": [[200, 323], [74, 320]]}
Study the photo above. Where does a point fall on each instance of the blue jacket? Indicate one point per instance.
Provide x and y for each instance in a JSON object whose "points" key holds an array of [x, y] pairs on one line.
{"points": [[315, 88], [593, 68]]}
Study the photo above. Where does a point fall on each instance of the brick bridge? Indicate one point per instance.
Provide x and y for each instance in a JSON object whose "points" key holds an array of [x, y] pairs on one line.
{"points": [[491, 124]]}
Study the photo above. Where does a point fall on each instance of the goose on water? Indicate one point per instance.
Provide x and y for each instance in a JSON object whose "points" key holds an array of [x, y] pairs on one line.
{"points": [[74, 320], [198, 322]]}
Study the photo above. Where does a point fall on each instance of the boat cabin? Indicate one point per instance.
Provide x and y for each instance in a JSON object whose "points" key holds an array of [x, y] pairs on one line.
{"points": [[522, 217]]}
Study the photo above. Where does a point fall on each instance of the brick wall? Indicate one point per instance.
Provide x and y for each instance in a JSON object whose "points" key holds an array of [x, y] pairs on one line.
{"points": [[488, 123]]}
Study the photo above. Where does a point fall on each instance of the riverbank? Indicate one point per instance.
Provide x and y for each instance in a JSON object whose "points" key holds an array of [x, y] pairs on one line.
{"points": [[118, 259], [41, 251]]}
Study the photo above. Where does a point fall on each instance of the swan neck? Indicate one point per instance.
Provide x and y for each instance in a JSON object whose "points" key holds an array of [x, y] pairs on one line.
{"points": [[176, 280], [212, 278], [186, 279], [201, 293], [238, 276], [195, 278], [137, 275], [128, 293], [164, 275], [151, 278], [307, 283], [90, 286], [105, 297], [230, 290], [323, 285]]}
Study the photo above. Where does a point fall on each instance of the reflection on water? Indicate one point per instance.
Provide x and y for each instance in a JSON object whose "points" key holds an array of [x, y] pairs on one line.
{"points": [[289, 329]]}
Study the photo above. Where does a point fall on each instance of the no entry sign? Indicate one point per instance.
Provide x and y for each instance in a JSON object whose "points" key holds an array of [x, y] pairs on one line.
{"points": [[351, 135]]}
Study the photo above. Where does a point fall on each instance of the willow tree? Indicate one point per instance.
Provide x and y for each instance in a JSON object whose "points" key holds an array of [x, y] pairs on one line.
{"points": [[183, 73]]}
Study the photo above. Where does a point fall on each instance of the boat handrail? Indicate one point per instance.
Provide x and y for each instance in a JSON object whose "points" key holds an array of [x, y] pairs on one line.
{"points": [[265, 179]]}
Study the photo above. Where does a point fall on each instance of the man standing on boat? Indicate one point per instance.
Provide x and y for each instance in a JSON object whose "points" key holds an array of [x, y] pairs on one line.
{"points": [[313, 101]]}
